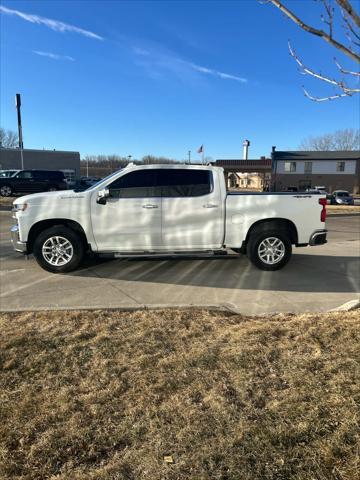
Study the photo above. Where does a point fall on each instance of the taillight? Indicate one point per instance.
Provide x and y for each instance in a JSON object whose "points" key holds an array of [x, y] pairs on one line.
{"points": [[322, 201]]}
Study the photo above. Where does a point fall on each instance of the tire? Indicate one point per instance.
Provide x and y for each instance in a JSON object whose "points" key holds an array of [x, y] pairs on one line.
{"points": [[6, 191], [58, 249], [52, 188], [262, 251]]}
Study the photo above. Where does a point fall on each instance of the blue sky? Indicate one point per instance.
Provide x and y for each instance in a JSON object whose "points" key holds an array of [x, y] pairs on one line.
{"points": [[164, 77]]}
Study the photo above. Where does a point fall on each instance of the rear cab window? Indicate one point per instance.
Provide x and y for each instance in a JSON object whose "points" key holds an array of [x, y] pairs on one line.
{"points": [[185, 183]]}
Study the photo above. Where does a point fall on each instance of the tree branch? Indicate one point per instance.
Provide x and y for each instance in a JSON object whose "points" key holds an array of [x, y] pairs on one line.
{"points": [[319, 33], [342, 85], [330, 14], [346, 72], [346, 5], [324, 99], [348, 24]]}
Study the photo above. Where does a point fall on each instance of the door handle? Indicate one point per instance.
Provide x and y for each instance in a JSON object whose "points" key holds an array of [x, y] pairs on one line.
{"points": [[149, 205], [210, 205]]}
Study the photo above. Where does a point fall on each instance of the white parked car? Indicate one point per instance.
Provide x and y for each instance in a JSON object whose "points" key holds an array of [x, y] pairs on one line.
{"points": [[162, 209]]}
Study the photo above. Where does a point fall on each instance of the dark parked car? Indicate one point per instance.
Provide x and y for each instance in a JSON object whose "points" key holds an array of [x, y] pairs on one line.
{"points": [[84, 183], [341, 197], [32, 181]]}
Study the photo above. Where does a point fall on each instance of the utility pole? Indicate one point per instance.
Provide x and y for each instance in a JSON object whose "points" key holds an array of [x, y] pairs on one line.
{"points": [[189, 155], [21, 144]]}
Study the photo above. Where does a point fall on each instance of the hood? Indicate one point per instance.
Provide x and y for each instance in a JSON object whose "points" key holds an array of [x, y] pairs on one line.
{"points": [[45, 197]]}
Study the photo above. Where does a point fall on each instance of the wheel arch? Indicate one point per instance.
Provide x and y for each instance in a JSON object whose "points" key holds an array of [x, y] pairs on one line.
{"points": [[42, 225], [268, 224]]}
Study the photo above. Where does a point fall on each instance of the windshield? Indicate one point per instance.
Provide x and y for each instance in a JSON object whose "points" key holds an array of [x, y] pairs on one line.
{"points": [[342, 194], [7, 173]]}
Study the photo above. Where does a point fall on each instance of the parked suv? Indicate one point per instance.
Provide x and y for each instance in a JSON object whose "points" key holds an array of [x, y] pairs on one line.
{"points": [[32, 181]]}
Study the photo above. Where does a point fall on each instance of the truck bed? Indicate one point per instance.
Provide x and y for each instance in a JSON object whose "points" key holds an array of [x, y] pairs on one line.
{"points": [[243, 208]]}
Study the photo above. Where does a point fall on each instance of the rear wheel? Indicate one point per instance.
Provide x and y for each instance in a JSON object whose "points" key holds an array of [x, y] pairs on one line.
{"points": [[58, 249], [6, 191], [269, 250]]}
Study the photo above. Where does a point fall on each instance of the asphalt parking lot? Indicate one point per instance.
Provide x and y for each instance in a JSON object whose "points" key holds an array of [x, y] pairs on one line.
{"points": [[316, 279]]}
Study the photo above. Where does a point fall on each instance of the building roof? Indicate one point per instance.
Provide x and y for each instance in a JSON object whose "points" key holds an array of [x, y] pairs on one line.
{"points": [[261, 162], [318, 155], [16, 149]]}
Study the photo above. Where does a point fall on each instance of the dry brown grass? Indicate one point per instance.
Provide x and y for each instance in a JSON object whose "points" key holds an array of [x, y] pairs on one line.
{"points": [[106, 395], [343, 209], [6, 201]]}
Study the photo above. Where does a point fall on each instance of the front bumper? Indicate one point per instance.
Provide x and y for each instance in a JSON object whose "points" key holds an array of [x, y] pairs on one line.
{"points": [[318, 238], [15, 240]]}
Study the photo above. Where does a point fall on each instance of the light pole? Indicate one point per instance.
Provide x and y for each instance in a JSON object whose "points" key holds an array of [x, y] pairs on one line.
{"points": [[21, 144], [189, 154]]}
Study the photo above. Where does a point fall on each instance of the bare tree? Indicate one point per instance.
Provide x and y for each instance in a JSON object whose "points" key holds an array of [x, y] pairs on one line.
{"points": [[8, 138], [337, 13], [151, 159], [348, 139]]}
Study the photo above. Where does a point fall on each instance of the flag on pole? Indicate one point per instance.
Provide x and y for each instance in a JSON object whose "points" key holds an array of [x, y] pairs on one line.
{"points": [[201, 149]]}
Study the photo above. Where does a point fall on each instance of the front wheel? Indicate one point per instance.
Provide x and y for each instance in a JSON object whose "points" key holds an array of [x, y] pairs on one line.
{"points": [[58, 249], [269, 250]]}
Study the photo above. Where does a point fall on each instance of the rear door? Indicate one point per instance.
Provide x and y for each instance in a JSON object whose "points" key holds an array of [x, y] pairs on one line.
{"points": [[41, 181], [192, 210]]}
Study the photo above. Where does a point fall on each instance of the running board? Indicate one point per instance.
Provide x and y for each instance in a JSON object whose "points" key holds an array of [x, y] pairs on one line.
{"points": [[202, 253]]}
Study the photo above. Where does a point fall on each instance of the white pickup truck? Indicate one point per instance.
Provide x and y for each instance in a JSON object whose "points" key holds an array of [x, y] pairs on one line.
{"points": [[165, 210]]}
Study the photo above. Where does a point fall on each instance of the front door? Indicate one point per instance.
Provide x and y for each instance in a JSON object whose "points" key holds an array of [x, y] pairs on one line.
{"points": [[24, 182], [192, 210], [131, 218]]}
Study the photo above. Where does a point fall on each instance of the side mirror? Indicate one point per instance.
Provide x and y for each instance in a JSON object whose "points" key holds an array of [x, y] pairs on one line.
{"points": [[102, 195]]}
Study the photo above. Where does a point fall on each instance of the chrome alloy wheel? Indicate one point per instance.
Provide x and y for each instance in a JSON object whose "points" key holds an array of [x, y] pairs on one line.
{"points": [[57, 251], [271, 250]]}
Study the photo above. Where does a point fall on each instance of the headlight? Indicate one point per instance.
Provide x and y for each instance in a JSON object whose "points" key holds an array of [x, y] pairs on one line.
{"points": [[20, 207]]}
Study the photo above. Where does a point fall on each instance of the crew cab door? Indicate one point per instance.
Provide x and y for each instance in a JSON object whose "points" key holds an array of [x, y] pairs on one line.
{"points": [[192, 209], [131, 218]]}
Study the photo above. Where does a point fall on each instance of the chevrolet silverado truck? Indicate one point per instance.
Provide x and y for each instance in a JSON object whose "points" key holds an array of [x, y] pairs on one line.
{"points": [[165, 210]]}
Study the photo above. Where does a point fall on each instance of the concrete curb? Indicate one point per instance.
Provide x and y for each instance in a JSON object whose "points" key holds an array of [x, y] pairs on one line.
{"points": [[347, 307], [130, 308], [225, 307]]}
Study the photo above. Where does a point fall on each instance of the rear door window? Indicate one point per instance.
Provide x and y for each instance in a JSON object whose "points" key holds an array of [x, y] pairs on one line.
{"points": [[38, 175], [184, 183]]}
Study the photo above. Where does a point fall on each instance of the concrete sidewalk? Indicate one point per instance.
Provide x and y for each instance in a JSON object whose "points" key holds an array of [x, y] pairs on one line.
{"points": [[316, 279]]}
